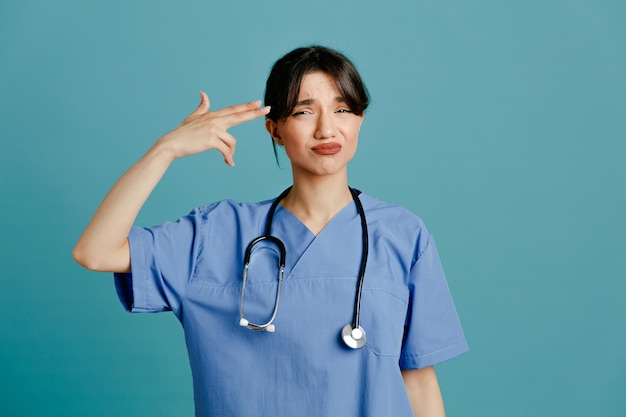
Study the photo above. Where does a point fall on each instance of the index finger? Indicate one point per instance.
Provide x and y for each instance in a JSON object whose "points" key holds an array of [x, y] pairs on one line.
{"points": [[233, 119], [237, 108]]}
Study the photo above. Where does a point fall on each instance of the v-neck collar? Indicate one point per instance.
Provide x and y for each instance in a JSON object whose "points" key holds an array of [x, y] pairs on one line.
{"points": [[299, 240]]}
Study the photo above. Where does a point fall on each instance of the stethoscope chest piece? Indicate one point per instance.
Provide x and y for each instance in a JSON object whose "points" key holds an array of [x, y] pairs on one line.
{"points": [[353, 337]]}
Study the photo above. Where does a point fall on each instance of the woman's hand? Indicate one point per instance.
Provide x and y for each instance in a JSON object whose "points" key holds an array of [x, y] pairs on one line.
{"points": [[203, 130]]}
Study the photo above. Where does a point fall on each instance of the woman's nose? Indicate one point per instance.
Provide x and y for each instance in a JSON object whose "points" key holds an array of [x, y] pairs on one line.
{"points": [[325, 126]]}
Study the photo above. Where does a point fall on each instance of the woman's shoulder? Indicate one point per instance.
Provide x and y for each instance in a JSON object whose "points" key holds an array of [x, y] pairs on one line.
{"points": [[232, 207], [386, 210], [397, 223]]}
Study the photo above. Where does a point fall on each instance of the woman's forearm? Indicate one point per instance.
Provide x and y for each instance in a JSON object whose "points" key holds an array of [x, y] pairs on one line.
{"points": [[424, 394], [103, 245]]}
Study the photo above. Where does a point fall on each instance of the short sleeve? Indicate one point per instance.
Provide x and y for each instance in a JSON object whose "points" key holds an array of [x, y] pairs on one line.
{"points": [[433, 332], [162, 263]]}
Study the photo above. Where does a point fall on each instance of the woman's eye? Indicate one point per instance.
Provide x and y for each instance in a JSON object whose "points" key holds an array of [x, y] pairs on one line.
{"points": [[344, 111], [301, 113]]}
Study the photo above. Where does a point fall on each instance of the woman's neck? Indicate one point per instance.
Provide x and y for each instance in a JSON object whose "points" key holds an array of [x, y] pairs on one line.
{"points": [[316, 202]]}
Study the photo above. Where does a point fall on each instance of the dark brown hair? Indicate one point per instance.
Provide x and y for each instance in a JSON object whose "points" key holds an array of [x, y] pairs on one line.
{"points": [[283, 84]]}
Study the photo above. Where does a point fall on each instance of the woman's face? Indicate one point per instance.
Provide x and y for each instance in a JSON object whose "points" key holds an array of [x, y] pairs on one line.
{"points": [[320, 135]]}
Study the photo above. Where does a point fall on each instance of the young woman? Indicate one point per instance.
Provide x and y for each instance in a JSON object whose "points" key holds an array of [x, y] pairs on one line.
{"points": [[322, 302]]}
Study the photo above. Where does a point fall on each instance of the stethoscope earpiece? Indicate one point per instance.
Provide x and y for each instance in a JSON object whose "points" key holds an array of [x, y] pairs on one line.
{"points": [[267, 327]]}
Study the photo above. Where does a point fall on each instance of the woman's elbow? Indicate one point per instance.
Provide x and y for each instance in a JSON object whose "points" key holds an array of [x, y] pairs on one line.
{"points": [[80, 256], [94, 259]]}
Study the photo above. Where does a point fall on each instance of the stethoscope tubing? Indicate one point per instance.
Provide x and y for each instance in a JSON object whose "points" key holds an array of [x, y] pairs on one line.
{"points": [[356, 317], [268, 326]]}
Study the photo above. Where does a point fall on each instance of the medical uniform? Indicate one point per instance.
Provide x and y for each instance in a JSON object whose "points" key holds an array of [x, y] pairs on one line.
{"points": [[193, 268]]}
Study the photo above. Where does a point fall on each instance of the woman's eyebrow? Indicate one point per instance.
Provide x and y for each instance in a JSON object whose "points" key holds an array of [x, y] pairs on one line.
{"points": [[309, 101], [306, 102]]}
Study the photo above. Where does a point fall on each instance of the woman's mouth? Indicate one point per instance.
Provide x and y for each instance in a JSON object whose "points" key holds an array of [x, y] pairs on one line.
{"points": [[326, 148]]}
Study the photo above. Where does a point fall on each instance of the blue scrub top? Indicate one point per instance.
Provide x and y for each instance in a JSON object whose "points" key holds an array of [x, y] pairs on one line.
{"points": [[193, 267]]}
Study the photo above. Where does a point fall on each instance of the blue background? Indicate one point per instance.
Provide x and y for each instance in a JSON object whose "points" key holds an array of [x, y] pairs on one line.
{"points": [[501, 123]]}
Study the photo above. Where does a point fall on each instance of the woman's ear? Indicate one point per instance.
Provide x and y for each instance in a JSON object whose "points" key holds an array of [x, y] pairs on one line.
{"points": [[272, 129]]}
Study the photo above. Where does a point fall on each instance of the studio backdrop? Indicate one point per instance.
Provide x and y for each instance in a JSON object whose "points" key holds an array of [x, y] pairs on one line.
{"points": [[502, 124]]}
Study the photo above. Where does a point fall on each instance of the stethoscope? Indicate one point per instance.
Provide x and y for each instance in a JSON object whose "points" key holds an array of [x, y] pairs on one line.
{"points": [[352, 333]]}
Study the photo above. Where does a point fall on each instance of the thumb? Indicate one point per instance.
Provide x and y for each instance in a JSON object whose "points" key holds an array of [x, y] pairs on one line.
{"points": [[204, 105]]}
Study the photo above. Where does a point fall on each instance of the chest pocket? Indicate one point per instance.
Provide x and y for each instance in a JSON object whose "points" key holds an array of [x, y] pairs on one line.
{"points": [[383, 314]]}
